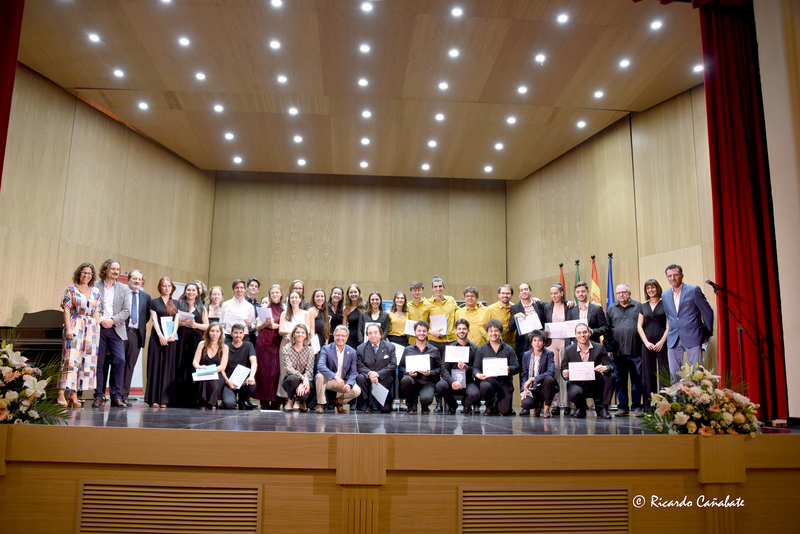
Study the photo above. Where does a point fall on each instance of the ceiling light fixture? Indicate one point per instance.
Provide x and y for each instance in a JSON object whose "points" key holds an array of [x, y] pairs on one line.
{"points": [[200, 76], [453, 52], [562, 18], [143, 105], [656, 24], [237, 159], [218, 108], [457, 12], [439, 117], [366, 6], [522, 89], [488, 168], [498, 146], [540, 59], [366, 114], [443, 86], [598, 94], [292, 111], [183, 41], [624, 63], [94, 37], [364, 141], [581, 124], [118, 73], [511, 120], [274, 44], [431, 143], [282, 79], [298, 139], [301, 162], [277, 3], [229, 136], [425, 166], [364, 164], [364, 48], [363, 82], [698, 68]]}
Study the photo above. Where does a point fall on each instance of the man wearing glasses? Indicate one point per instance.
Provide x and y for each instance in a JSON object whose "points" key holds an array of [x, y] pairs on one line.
{"points": [[626, 351]]}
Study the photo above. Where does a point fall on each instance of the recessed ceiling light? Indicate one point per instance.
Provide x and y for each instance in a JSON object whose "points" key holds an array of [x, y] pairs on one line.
{"points": [[364, 164], [581, 124], [366, 114], [656, 24], [522, 89], [166, 1], [366, 6], [218, 108], [274, 44], [431, 143], [562, 18], [143, 105], [498, 146], [282, 79], [184, 41], [453, 52], [118, 73], [292, 111], [511, 120], [200, 76], [439, 117], [539, 58], [425, 166], [237, 159], [298, 139], [457, 12], [363, 82], [443, 86], [698, 68], [301, 162], [598, 94], [277, 3], [94, 37], [364, 141], [488, 168], [624, 63], [364, 48], [228, 136]]}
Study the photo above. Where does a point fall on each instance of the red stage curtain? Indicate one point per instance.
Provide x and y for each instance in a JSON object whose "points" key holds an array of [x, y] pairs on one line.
{"points": [[744, 234], [10, 29]]}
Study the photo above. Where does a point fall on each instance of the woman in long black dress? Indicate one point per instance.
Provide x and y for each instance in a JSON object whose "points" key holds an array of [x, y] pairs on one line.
{"points": [[335, 306], [215, 304], [161, 350], [351, 315], [190, 334], [322, 325], [653, 331], [210, 351]]}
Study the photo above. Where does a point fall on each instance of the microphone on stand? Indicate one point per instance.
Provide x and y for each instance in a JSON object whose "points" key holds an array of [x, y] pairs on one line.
{"points": [[715, 286]]}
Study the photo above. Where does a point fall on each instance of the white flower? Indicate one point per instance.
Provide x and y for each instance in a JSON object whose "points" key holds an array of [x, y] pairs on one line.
{"points": [[695, 391], [15, 358], [34, 414], [34, 388], [705, 398], [696, 415], [727, 417], [681, 418], [707, 383], [11, 396], [699, 375]]}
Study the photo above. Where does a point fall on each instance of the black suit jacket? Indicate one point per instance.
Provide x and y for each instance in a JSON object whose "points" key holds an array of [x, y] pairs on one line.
{"points": [[384, 363], [436, 363], [144, 315], [521, 342], [596, 319], [547, 367], [449, 366], [598, 355]]}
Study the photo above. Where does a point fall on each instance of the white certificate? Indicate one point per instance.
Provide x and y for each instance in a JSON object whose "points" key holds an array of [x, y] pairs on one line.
{"points": [[453, 354], [367, 325], [398, 350], [315, 343], [409, 331], [264, 314], [380, 393], [239, 375], [182, 316], [418, 362], [439, 322], [202, 378], [528, 324], [495, 366], [563, 330], [581, 371]]}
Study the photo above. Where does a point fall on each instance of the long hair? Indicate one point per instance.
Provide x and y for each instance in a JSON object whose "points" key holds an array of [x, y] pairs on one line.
{"points": [[369, 304], [171, 309], [76, 276], [326, 330], [359, 304], [306, 342], [221, 295], [207, 337], [337, 310], [183, 304], [394, 303], [106, 266], [289, 314]]}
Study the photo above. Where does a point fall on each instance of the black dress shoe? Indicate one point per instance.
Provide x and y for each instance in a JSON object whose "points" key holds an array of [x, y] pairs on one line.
{"points": [[127, 402], [247, 405], [555, 410], [451, 411], [117, 403], [567, 411], [411, 409], [525, 412], [580, 413], [368, 410], [98, 401], [488, 411], [604, 413], [425, 410], [467, 411]]}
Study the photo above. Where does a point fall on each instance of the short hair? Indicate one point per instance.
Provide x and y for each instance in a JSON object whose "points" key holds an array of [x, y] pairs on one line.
{"points": [[626, 286], [237, 326], [506, 286], [471, 289], [374, 325], [582, 284], [295, 329], [303, 290], [76, 276], [133, 271], [422, 323], [494, 323], [462, 321], [342, 327], [416, 284], [653, 282], [437, 278], [106, 266], [584, 324], [251, 280], [673, 266], [237, 282], [541, 334]]}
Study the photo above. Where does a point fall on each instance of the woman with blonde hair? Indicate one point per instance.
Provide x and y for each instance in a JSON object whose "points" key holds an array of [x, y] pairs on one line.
{"points": [[298, 359]]}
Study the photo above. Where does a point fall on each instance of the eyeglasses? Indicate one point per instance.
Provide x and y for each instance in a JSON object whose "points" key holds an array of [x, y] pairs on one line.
{"points": [[90, 273]]}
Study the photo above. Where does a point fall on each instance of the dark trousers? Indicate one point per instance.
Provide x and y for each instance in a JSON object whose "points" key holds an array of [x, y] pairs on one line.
{"points": [[497, 392], [413, 388], [115, 363], [654, 364], [132, 347], [367, 399], [469, 396], [441, 346], [629, 365], [542, 392], [602, 386], [243, 393], [291, 383]]}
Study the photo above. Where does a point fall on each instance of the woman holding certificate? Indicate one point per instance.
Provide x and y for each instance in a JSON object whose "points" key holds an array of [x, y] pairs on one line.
{"points": [[268, 344], [537, 376], [351, 315], [555, 311], [210, 351], [161, 351], [374, 314], [294, 316], [193, 320], [398, 315], [298, 359]]}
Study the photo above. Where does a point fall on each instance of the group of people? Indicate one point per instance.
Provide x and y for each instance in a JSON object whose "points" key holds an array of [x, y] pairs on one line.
{"points": [[338, 350]]}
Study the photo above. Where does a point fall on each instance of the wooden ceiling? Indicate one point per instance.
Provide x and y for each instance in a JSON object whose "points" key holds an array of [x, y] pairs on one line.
{"points": [[319, 54]]}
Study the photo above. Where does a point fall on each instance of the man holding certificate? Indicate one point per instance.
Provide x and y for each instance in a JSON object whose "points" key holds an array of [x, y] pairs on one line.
{"points": [[527, 315], [239, 380], [588, 368], [419, 366], [457, 371], [376, 367], [236, 310], [495, 365]]}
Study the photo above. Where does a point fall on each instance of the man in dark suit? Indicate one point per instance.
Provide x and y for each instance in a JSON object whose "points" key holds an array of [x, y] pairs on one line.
{"points": [[448, 387], [136, 329], [496, 391], [115, 308], [586, 350], [691, 321], [337, 371], [376, 364], [537, 377], [527, 305], [420, 384], [591, 314]]}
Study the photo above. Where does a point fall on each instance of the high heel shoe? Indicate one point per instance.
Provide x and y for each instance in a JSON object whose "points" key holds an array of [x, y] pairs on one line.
{"points": [[61, 401], [74, 403]]}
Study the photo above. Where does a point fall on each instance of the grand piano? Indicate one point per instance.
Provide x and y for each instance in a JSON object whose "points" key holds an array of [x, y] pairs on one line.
{"points": [[39, 335]]}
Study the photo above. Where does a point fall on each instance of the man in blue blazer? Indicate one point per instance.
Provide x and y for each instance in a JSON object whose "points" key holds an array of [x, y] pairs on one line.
{"points": [[691, 321], [337, 371]]}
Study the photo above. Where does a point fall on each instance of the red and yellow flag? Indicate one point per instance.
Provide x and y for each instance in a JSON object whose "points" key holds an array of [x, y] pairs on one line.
{"points": [[594, 293]]}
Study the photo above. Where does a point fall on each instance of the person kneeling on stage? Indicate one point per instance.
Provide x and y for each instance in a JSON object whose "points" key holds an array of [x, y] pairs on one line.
{"points": [[496, 390], [376, 365], [538, 376], [420, 383], [448, 387], [298, 360], [336, 371], [586, 350], [242, 353]]}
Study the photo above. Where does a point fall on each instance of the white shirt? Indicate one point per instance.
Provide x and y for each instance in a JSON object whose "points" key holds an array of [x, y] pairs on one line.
{"points": [[340, 358], [108, 301], [235, 311], [676, 296]]}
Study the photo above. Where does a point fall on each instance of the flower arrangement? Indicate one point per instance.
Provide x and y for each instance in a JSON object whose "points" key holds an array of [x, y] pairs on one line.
{"points": [[23, 396], [696, 405]]}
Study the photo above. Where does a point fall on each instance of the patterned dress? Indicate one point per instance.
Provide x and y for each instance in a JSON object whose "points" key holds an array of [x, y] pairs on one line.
{"points": [[79, 359]]}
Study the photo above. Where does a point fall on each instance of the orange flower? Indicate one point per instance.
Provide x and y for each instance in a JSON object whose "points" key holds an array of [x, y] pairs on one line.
{"points": [[706, 431]]}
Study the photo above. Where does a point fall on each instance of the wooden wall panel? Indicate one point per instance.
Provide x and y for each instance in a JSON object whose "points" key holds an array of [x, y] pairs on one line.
{"points": [[193, 203]]}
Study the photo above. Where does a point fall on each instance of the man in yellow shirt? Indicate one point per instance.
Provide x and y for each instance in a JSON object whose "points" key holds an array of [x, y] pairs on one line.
{"points": [[473, 312], [417, 308], [500, 310], [441, 304]]}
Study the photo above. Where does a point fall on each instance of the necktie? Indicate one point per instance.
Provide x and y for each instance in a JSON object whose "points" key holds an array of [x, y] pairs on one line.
{"points": [[135, 308], [375, 348]]}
